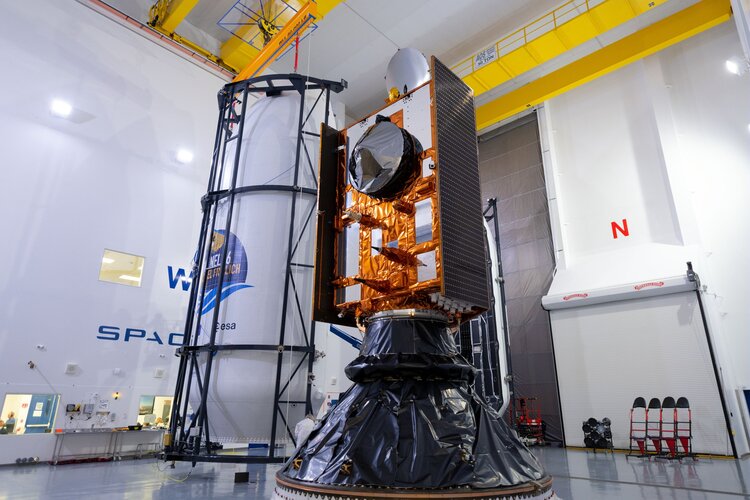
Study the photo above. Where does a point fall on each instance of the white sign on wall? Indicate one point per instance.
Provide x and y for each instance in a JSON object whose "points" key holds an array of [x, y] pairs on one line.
{"points": [[485, 57]]}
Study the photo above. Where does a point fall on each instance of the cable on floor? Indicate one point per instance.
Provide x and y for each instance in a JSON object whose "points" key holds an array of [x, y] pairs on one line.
{"points": [[170, 478]]}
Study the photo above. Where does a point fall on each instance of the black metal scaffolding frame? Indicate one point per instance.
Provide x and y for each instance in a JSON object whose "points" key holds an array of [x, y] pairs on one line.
{"points": [[189, 436]]}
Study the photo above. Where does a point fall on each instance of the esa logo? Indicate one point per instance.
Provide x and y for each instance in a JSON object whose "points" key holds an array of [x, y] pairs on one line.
{"points": [[138, 334]]}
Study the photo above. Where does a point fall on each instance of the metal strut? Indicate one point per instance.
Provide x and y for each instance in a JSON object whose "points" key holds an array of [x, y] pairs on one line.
{"points": [[490, 214]]}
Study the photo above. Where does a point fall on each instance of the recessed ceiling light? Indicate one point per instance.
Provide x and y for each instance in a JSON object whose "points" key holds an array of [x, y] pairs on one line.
{"points": [[737, 65], [184, 156], [61, 108]]}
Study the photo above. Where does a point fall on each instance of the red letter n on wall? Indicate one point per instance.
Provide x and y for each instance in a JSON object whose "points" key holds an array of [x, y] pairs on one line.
{"points": [[622, 229]]}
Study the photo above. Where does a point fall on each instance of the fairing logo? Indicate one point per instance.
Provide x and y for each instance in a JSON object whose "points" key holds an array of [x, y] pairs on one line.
{"points": [[649, 284], [235, 269], [576, 296]]}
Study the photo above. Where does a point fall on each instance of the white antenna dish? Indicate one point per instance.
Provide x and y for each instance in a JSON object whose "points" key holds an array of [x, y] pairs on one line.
{"points": [[407, 70]]}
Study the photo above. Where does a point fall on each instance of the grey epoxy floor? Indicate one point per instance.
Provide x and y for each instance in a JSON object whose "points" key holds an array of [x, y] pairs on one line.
{"points": [[577, 475]]}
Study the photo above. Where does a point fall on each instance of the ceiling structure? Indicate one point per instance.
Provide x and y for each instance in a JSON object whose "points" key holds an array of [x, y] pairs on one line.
{"points": [[515, 54], [356, 39]]}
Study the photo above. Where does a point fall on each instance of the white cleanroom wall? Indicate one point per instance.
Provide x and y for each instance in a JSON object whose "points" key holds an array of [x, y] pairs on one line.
{"points": [[663, 143], [657, 345], [105, 178]]}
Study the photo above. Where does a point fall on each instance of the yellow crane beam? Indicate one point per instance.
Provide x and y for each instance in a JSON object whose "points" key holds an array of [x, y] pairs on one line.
{"points": [[673, 29], [168, 14], [238, 53], [235, 54], [280, 41], [564, 28], [177, 12], [325, 6]]}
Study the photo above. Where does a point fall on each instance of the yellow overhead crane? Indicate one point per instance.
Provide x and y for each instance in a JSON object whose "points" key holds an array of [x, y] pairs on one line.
{"points": [[566, 27], [570, 25], [236, 55], [680, 26], [280, 41], [166, 15]]}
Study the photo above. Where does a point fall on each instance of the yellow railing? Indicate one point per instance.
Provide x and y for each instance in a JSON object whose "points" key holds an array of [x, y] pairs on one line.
{"points": [[569, 25], [646, 40], [525, 34]]}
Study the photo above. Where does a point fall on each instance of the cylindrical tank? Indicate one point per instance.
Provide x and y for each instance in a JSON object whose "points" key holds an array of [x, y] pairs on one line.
{"points": [[242, 384]]}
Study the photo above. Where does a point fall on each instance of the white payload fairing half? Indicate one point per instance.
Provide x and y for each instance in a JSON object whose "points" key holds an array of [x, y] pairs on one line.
{"points": [[247, 366], [241, 386]]}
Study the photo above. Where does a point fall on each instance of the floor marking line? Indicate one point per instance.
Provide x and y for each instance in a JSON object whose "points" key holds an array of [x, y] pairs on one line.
{"points": [[686, 488]]}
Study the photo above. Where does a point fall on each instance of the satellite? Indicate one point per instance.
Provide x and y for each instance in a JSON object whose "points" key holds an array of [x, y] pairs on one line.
{"points": [[400, 253], [400, 215]]}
